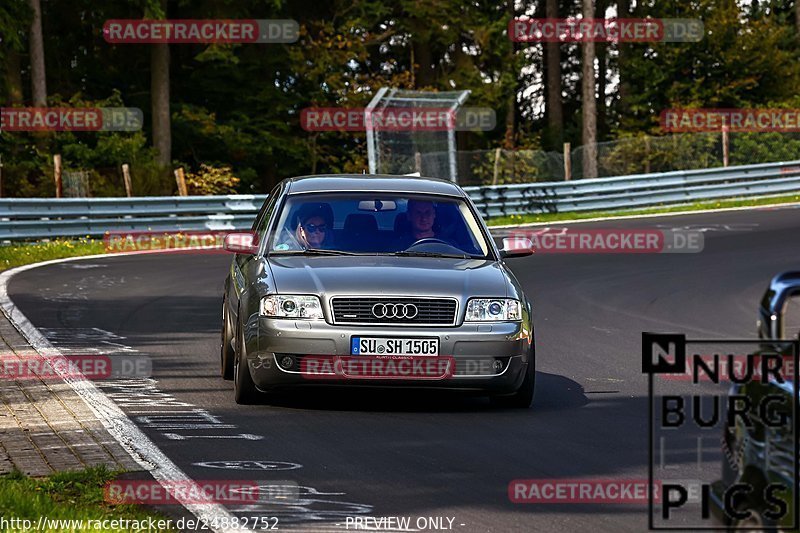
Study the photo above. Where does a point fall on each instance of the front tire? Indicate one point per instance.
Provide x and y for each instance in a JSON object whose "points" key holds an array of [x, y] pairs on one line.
{"points": [[244, 390], [523, 397], [226, 352]]}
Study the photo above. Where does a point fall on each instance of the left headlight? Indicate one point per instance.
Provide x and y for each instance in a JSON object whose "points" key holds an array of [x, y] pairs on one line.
{"points": [[290, 306], [489, 309]]}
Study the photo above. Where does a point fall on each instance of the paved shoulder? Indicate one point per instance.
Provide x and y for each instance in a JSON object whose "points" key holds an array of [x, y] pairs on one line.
{"points": [[44, 425]]}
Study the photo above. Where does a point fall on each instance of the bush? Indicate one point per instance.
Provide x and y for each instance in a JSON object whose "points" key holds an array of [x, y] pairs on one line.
{"points": [[212, 180]]}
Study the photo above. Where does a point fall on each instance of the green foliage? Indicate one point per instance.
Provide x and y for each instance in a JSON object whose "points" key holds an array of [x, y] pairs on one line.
{"points": [[238, 105], [211, 180], [742, 61], [515, 166], [644, 154]]}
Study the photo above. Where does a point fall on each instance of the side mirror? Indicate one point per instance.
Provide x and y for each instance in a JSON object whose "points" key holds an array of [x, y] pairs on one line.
{"points": [[516, 247], [242, 242], [771, 313]]}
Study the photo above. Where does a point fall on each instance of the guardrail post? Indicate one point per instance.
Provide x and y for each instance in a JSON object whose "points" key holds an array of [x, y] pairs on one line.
{"points": [[567, 162], [126, 176], [725, 146], [496, 166], [57, 174], [181, 179]]}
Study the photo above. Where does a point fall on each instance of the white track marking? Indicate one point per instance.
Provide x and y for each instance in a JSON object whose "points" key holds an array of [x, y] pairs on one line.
{"points": [[122, 428]]}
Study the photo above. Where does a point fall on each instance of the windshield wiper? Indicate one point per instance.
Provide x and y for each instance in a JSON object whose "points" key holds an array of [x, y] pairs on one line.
{"points": [[312, 251], [411, 253]]}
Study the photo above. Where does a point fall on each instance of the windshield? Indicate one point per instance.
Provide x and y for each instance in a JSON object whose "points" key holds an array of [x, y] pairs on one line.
{"points": [[369, 223]]}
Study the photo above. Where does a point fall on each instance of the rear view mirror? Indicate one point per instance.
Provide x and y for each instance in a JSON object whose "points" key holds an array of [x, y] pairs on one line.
{"points": [[516, 247], [779, 310], [243, 242], [377, 205]]}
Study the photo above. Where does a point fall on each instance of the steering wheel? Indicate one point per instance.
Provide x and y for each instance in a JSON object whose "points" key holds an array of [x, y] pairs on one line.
{"points": [[429, 240]]}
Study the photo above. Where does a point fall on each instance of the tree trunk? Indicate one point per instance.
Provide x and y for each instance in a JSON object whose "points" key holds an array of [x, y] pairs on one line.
{"points": [[797, 15], [422, 54], [624, 90], [14, 78], [38, 79], [511, 111], [602, 63], [159, 88], [554, 105], [589, 137]]}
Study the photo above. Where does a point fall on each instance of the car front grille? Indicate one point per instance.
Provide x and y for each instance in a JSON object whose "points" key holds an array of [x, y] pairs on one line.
{"points": [[429, 311]]}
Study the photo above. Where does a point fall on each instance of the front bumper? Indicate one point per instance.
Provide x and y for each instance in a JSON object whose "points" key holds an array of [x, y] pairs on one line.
{"points": [[489, 358]]}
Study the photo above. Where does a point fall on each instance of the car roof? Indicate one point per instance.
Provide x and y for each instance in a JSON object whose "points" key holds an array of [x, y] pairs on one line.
{"points": [[372, 183]]}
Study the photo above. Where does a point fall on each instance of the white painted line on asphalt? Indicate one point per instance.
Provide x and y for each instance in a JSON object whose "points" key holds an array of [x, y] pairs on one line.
{"points": [[122, 428], [792, 205]]}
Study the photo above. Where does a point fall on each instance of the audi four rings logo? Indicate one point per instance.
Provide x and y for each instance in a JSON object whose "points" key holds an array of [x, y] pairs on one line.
{"points": [[395, 311]]}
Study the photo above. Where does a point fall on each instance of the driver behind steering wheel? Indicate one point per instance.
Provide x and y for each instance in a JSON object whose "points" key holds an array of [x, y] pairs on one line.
{"points": [[421, 215]]}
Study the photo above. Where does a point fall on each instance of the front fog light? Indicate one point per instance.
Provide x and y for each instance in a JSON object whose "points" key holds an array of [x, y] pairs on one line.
{"points": [[488, 309], [291, 306], [287, 362]]}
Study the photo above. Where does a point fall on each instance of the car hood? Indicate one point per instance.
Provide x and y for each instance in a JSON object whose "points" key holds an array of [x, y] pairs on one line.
{"points": [[383, 275]]}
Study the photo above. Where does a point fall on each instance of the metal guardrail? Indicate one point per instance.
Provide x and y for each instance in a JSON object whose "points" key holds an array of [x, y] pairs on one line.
{"points": [[37, 218], [642, 190]]}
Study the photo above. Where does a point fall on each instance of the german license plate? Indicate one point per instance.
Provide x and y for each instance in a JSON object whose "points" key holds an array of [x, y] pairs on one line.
{"points": [[394, 346]]}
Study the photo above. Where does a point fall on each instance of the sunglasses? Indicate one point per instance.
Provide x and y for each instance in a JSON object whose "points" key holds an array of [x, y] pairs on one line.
{"points": [[312, 228]]}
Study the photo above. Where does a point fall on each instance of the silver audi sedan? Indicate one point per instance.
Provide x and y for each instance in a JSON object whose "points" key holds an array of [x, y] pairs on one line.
{"points": [[374, 281]]}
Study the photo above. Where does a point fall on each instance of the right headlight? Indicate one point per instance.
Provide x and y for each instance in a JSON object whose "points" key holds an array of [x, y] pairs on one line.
{"points": [[493, 309], [291, 306]]}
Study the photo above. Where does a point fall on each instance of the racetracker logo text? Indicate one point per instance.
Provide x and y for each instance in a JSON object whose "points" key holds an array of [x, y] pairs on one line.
{"points": [[732, 120], [569, 30], [605, 241], [70, 119], [159, 241], [397, 119], [377, 367], [74, 367], [149, 492], [200, 31], [633, 491]]}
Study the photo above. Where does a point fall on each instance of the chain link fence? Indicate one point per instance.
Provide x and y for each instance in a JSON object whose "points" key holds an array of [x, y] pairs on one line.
{"points": [[632, 155]]}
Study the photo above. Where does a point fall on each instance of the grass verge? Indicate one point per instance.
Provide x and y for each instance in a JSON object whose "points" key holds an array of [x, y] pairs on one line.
{"points": [[66, 496], [697, 206], [20, 254]]}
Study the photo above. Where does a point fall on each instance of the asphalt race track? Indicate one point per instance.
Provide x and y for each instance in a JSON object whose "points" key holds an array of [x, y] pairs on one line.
{"points": [[388, 454]]}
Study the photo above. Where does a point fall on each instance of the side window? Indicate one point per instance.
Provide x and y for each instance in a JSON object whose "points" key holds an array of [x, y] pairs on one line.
{"points": [[261, 222]]}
